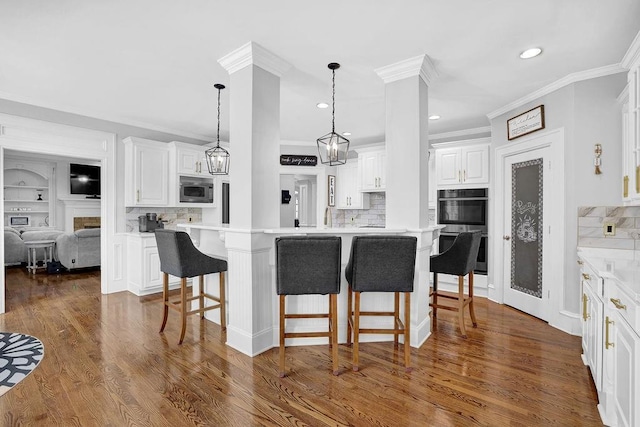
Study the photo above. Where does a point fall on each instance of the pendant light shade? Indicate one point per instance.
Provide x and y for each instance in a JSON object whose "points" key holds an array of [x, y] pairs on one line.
{"points": [[217, 157], [332, 147]]}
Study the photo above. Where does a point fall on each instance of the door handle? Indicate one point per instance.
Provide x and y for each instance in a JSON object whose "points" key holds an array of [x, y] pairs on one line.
{"points": [[585, 276], [506, 237], [618, 304]]}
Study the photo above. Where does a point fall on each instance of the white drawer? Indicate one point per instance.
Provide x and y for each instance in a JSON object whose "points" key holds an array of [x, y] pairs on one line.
{"points": [[622, 303], [591, 279]]}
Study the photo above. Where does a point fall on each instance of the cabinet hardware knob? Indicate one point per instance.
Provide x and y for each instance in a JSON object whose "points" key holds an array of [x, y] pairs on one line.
{"points": [[506, 237], [585, 276], [607, 344], [618, 304], [580, 262]]}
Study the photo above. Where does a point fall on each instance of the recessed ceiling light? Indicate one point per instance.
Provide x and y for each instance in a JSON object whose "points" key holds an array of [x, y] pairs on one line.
{"points": [[434, 117], [346, 133], [322, 105], [531, 53]]}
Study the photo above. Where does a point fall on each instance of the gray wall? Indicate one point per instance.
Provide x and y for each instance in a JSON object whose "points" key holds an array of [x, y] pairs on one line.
{"points": [[589, 113]]}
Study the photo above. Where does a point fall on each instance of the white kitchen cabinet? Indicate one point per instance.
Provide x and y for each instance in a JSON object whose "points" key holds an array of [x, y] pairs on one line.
{"points": [[462, 166], [143, 265], [148, 175], [373, 165], [190, 159], [592, 321], [348, 194], [630, 99]]}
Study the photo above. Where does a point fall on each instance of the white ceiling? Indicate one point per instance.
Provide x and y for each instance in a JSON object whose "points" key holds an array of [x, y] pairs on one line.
{"points": [[153, 63]]}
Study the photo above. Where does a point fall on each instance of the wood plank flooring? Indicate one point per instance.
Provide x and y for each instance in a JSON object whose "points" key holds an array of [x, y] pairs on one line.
{"points": [[106, 364]]}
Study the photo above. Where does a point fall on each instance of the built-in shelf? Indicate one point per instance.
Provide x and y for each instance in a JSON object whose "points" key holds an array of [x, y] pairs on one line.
{"points": [[26, 182]]}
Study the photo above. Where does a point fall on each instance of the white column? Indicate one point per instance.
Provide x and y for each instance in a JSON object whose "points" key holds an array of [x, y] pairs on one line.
{"points": [[407, 191], [254, 141]]}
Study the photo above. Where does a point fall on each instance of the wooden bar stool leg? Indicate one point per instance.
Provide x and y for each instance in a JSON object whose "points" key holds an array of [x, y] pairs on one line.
{"points": [[396, 315], [471, 310], [407, 331], [356, 332], [201, 296], [223, 306], [333, 319], [463, 331], [282, 314], [183, 307], [165, 298], [349, 314]]}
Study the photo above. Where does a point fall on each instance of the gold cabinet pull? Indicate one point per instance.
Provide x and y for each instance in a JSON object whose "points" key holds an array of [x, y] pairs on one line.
{"points": [[618, 304], [580, 262], [585, 316], [585, 276], [137, 195], [464, 174], [607, 344], [637, 179], [459, 180], [625, 186]]}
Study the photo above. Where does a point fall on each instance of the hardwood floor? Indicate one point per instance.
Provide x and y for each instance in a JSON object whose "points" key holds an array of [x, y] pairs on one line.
{"points": [[105, 364]]}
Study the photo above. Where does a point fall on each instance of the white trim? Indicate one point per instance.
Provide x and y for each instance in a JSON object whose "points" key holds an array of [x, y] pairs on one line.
{"points": [[624, 95], [632, 57], [554, 140], [100, 115], [459, 133], [252, 53], [420, 65], [558, 84]]}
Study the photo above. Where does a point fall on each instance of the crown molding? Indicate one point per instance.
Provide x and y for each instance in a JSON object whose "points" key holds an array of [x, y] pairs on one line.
{"points": [[558, 84], [418, 66], [460, 133], [252, 53], [632, 57], [100, 116]]}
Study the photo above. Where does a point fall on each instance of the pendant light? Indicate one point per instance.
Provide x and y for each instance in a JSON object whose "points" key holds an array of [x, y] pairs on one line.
{"points": [[333, 147], [217, 157]]}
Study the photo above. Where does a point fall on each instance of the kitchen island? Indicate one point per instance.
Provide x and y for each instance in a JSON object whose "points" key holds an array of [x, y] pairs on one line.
{"points": [[251, 289]]}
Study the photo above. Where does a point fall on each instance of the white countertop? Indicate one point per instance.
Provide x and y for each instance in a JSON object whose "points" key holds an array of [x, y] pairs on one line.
{"points": [[313, 230], [623, 266]]}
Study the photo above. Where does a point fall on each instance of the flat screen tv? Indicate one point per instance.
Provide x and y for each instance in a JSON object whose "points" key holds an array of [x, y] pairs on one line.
{"points": [[84, 179]]}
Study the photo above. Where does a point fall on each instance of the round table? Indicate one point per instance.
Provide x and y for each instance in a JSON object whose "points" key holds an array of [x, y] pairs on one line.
{"points": [[32, 259]]}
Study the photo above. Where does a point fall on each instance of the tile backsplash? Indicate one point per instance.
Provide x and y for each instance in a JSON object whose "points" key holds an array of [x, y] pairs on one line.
{"points": [[173, 216], [591, 225], [374, 216]]}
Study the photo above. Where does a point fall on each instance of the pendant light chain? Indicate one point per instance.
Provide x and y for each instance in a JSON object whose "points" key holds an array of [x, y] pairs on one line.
{"points": [[333, 102], [218, 143]]}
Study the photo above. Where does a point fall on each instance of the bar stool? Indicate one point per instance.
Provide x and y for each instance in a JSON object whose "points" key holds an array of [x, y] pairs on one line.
{"points": [[180, 258], [381, 264], [459, 260], [308, 265]]}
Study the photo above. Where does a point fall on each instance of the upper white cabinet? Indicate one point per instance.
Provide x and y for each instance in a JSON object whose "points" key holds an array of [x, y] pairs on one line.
{"points": [[373, 166], [348, 194], [630, 100], [459, 166], [190, 159], [148, 174]]}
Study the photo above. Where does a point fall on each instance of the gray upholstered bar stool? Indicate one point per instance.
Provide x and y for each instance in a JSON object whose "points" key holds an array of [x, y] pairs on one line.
{"points": [[308, 265], [459, 260], [180, 258], [381, 264]]}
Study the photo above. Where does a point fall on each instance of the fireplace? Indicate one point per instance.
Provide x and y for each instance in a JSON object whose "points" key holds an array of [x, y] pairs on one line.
{"points": [[81, 222]]}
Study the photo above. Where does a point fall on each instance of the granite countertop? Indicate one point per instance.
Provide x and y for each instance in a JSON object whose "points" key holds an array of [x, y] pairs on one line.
{"points": [[311, 230], [623, 266]]}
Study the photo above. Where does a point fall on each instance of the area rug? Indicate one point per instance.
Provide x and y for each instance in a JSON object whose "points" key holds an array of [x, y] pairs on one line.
{"points": [[19, 355]]}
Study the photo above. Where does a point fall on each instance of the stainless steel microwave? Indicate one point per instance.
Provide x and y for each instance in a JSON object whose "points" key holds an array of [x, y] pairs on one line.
{"points": [[196, 190]]}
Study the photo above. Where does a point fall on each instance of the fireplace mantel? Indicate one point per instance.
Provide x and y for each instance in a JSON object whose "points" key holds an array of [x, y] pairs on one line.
{"points": [[78, 208]]}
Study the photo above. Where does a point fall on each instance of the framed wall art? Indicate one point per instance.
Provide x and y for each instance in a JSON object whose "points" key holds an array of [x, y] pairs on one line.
{"points": [[525, 123], [331, 192]]}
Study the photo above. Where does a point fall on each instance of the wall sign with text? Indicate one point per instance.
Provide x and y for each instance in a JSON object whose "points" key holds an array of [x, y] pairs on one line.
{"points": [[297, 160], [525, 123]]}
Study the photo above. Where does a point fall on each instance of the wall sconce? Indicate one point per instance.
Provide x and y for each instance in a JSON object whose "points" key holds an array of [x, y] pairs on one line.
{"points": [[596, 161]]}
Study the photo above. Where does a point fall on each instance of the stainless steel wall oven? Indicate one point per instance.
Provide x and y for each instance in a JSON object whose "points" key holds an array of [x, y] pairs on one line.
{"points": [[464, 210]]}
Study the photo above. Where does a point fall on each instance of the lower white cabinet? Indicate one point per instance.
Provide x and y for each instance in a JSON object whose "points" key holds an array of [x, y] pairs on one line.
{"points": [[611, 344], [143, 266]]}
